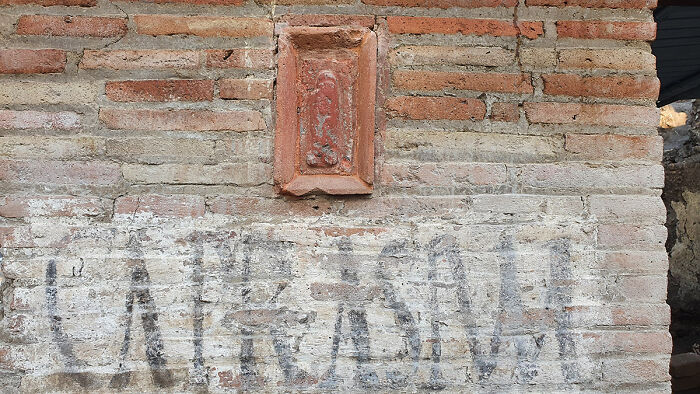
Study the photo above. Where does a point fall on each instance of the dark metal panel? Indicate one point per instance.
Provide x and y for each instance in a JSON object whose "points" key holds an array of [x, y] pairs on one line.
{"points": [[677, 50]]}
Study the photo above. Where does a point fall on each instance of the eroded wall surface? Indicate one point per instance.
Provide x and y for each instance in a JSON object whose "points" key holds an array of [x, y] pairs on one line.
{"points": [[514, 238], [682, 198]]}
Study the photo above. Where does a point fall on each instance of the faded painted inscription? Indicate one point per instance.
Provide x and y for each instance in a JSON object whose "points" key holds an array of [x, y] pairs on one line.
{"points": [[513, 343]]}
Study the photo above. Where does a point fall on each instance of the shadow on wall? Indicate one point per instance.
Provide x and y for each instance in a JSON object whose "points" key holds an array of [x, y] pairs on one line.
{"points": [[680, 129]]}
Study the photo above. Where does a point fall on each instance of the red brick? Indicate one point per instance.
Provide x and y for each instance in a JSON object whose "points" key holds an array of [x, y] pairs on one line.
{"points": [[634, 87], [139, 59], [594, 3], [316, 66], [439, 80], [240, 58], [505, 112], [47, 3], [304, 2], [203, 26], [452, 108], [184, 120], [444, 3], [245, 89], [194, 2], [68, 206], [592, 114], [160, 90], [479, 27], [74, 26], [328, 20], [645, 31], [38, 120], [615, 147], [60, 172], [32, 61], [161, 205]]}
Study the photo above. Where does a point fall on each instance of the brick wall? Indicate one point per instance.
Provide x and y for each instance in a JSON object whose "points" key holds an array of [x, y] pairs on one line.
{"points": [[514, 238]]}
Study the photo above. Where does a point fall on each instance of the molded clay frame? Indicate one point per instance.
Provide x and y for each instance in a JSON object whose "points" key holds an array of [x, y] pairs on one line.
{"points": [[356, 176]]}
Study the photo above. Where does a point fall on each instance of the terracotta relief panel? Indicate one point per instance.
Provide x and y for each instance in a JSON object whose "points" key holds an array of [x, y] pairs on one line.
{"points": [[324, 140]]}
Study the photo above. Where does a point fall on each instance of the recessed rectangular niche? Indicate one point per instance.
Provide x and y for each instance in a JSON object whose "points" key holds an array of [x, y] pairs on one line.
{"points": [[324, 138]]}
